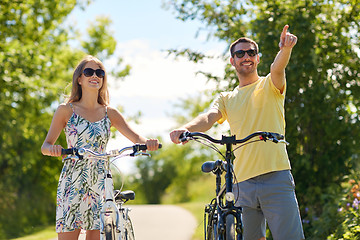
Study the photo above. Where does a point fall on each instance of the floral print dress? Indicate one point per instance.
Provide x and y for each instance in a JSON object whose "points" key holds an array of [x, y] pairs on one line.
{"points": [[80, 193]]}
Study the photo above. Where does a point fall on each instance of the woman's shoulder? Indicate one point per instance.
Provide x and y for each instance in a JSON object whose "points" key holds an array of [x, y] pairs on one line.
{"points": [[65, 107], [114, 114], [65, 110], [112, 111]]}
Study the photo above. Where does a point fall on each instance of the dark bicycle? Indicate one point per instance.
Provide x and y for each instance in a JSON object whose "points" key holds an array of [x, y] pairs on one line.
{"points": [[222, 219]]}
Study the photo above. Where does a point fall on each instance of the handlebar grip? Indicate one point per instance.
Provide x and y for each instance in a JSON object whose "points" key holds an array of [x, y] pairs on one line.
{"points": [[143, 147], [183, 136], [213, 165], [278, 136], [68, 151]]}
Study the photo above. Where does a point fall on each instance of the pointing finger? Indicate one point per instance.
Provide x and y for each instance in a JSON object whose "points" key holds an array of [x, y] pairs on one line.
{"points": [[284, 31]]}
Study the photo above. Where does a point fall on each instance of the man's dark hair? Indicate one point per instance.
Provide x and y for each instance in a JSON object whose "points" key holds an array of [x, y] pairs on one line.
{"points": [[243, 39]]}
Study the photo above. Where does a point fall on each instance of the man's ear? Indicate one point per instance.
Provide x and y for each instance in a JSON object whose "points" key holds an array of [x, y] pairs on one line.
{"points": [[232, 61]]}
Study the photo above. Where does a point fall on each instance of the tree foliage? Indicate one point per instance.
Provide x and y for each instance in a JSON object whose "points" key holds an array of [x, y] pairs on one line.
{"points": [[323, 82], [36, 63]]}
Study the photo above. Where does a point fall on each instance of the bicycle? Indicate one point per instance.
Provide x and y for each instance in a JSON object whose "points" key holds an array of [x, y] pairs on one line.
{"points": [[222, 219], [115, 222]]}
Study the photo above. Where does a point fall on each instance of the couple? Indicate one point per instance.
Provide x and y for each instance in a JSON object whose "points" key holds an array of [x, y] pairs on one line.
{"points": [[266, 186]]}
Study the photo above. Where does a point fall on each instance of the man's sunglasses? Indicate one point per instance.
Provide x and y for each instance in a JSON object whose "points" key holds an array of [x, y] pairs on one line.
{"points": [[88, 72], [241, 53]]}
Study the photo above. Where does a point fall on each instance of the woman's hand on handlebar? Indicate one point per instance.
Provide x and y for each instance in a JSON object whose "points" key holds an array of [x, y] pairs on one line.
{"points": [[175, 135], [55, 150], [152, 144]]}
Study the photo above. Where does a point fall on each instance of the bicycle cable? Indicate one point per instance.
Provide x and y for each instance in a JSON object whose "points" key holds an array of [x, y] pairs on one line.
{"points": [[209, 144], [246, 144]]}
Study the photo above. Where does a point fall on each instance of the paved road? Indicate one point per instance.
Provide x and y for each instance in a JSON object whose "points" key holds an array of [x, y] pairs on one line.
{"points": [[161, 222]]}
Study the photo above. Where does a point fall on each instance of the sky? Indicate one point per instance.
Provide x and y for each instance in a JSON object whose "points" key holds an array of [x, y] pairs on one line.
{"points": [[144, 31]]}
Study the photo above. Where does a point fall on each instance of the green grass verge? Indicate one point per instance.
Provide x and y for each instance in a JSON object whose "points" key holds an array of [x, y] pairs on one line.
{"points": [[202, 191], [45, 234], [197, 209]]}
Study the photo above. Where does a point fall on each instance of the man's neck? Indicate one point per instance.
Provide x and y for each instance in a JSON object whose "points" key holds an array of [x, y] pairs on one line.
{"points": [[245, 80]]}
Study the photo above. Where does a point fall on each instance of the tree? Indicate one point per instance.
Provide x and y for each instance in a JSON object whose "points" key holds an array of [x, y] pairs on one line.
{"points": [[36, 61], [322, 100]]}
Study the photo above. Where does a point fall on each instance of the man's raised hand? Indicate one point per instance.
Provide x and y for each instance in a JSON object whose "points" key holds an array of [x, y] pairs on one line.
{"points": [[287, 39]]}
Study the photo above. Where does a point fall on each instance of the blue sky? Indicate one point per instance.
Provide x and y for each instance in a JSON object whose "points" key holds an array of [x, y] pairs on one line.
{"points": [[143, 30], [146, 19]]}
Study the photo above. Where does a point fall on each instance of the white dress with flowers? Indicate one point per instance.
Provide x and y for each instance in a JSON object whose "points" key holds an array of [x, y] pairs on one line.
{"points": [[80, 193]]}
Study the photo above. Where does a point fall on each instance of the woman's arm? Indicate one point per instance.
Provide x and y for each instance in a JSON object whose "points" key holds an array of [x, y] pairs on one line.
{"points": [[61, 116]]}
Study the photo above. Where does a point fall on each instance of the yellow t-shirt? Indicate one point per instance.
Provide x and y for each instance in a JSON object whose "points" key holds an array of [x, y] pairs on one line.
{"points": [[255, 107]]}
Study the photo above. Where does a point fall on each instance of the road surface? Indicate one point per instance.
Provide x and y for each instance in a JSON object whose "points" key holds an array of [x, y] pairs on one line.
{"points": [[160, 222]]}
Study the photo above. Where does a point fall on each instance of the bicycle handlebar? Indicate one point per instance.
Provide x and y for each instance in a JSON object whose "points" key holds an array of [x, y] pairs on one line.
{"points": [[264, 136], [113, 153]]}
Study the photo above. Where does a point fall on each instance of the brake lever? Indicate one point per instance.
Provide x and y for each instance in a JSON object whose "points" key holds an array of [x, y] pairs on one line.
{"points": [[283, 141], [134, 154], [275, 140], [72, 157]]}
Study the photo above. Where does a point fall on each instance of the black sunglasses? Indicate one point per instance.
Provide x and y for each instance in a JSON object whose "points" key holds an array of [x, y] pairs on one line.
{"points": [[88, 72], [241, 53]]}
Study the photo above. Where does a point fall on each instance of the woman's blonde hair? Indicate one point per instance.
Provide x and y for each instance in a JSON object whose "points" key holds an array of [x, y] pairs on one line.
{"points": [[76, 91]]}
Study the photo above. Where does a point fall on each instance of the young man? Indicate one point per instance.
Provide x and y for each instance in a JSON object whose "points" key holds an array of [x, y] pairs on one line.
{"points": [[265, 184]]}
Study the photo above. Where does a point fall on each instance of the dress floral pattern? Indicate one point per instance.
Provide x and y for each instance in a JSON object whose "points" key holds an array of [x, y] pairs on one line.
{"points": [[80, 193]]}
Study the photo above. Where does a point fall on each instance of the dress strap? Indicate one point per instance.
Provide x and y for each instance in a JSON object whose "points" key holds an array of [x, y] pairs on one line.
{"points": [[106, 112], [72, 107]]}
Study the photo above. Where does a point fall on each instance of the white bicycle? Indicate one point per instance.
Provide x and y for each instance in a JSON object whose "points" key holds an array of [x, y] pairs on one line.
{"points": [[115, 223]]}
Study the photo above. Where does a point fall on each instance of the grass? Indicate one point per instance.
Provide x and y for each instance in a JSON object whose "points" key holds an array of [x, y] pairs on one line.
{"points": [[197, 209], [45, 234], [202, 190]]}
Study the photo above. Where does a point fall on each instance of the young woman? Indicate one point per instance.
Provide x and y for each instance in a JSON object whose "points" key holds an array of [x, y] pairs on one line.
{"points": [[86, 119]]}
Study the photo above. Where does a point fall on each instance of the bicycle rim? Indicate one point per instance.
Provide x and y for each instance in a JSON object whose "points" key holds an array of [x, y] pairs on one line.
{"points": [[211, 230], [128, 230]]}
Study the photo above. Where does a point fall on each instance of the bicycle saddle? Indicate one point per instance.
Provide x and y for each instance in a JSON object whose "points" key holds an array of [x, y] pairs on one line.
{"points": [[125, 195]]}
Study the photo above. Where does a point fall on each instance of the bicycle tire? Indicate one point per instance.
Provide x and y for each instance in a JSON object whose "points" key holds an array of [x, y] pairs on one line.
{"points": [[128, 230], [109, 228], [230, 228]]}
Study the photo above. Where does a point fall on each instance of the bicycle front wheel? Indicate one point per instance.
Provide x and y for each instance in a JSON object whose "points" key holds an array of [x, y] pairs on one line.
{"points": [[128, 230]]}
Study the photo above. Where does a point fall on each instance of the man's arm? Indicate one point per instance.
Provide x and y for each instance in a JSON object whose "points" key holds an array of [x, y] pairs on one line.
{"points": [[201, 123], [287, 42]]}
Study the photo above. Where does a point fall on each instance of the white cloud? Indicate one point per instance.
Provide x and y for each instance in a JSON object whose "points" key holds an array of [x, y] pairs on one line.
{"points": [[156, 75]]}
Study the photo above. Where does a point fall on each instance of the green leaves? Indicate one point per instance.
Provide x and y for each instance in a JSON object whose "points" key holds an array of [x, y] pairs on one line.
{"points": [[36, 65]]}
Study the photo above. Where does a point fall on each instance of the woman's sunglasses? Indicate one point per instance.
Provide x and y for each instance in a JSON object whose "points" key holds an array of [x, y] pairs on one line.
{"points": [[88, 72], [241, 53]]}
